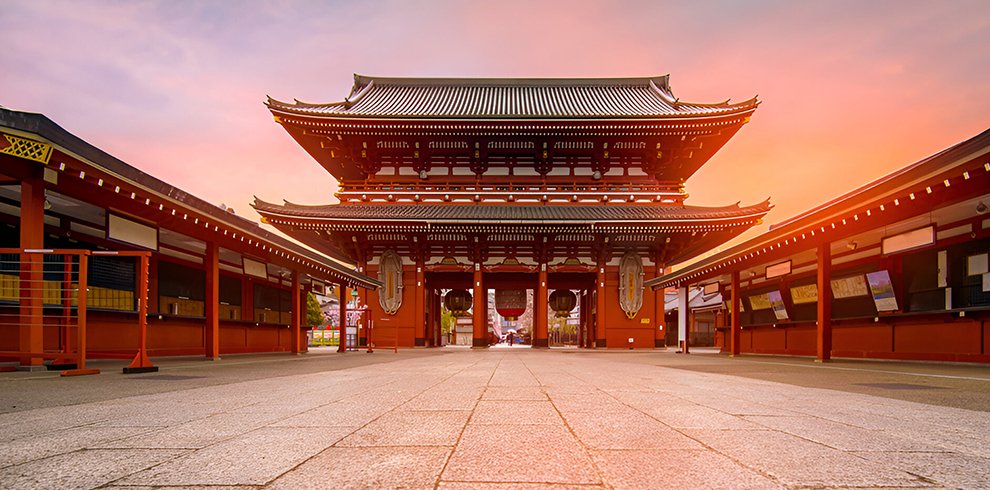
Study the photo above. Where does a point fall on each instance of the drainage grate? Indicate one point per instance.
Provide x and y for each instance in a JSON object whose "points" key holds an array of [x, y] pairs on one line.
{"points": [[900, 386]]}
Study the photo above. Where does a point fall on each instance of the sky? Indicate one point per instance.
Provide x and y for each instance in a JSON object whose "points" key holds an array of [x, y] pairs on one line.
{"points": [[850, 90]]}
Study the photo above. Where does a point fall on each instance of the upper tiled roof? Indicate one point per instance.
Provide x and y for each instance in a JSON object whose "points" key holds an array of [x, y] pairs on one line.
{"points": [[512, 98], [439, 213]]}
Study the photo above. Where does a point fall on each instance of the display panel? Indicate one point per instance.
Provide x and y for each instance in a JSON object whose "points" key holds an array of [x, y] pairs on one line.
{"points": [[777, 303], [883, 290], [804, 294], [849, 287]]}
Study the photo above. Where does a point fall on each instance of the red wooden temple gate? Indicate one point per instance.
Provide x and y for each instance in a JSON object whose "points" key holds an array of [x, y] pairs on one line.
{"points": [[539, 184]]}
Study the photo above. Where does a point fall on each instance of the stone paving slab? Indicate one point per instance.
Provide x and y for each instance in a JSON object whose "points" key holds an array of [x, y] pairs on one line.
{"points": [[410, 428], [83, 469], [509, 455], [632, 430], [509, 413], [677, 469], [489, 419], [54, 443], [367, 467], [254, 458], [794, 461]]}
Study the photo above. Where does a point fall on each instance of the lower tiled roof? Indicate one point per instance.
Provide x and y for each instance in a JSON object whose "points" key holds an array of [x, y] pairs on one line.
{"points": [[514, 213]]}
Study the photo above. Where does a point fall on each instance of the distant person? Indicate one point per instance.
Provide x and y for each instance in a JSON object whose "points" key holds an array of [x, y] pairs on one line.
{"points": [[511, 338]]}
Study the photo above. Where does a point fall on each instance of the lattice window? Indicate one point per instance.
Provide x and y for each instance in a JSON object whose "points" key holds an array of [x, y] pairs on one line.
{"points": [[25, 148]]}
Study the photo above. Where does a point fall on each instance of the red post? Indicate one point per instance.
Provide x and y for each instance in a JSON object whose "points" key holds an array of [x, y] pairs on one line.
{"points": [[370, 329], [141, 363], [295, 316], [736, 326], [478, 317], [342, 344], [31, 332], [659, 298], [420, 312], [81, 321], [211, 337], [540, 305], [65, 337], [599, 336], [824, 331]]}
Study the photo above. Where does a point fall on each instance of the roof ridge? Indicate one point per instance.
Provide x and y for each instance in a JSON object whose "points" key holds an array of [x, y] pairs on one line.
{"points": [[362, 80]]}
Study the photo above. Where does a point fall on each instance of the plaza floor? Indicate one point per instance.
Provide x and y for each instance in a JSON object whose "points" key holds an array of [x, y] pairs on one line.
{"points": [[499, 418]]}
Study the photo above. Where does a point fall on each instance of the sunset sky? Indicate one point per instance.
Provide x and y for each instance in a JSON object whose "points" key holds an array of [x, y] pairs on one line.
{"points": [[850, 90]]}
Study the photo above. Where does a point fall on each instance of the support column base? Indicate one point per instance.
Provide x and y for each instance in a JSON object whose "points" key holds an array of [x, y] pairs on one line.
{"points": [[479, 343], [600, 343], [541, 343], [658, 343]]}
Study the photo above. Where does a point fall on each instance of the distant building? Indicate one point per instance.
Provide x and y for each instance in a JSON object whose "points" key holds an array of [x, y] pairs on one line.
{"points": [[513, 184]]}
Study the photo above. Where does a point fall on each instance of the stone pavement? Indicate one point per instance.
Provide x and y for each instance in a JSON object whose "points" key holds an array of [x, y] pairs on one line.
{"points": [[498, 418]]}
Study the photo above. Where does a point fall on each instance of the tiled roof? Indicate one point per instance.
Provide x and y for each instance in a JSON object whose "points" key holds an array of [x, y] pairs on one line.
{"points": [[513, 98], [439, 213]]}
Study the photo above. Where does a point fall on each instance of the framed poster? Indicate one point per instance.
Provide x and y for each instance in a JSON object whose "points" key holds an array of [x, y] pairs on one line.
{"points": [[777, 303], [759, 301], [804, 294], [849, 287], [976, 264], [883, 290]]}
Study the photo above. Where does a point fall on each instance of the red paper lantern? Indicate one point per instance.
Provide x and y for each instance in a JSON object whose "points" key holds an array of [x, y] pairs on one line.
{"points": [[458, 301], [562, 301], [510, 303]]}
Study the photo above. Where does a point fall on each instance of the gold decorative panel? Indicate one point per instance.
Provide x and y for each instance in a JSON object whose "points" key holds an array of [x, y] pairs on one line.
{"points": [[25, 148], [390, 274], [631, 284]]}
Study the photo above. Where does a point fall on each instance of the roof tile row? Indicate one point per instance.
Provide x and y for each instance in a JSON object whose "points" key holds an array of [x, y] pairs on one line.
{"points": [[511, 98]]}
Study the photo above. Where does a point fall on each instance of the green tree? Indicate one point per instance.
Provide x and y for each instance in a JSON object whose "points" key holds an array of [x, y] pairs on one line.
{"points": [[447, 320], [314, 315]]}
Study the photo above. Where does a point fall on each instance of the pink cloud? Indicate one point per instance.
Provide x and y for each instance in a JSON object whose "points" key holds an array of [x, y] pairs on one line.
{"points": [[850, 90]]}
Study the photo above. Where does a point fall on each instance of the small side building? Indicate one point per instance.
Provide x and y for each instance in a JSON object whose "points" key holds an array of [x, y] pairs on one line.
{"points": [[217, 283], [896, 269]]}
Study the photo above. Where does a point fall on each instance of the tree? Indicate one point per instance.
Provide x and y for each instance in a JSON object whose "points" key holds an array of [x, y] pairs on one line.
{"points": [[314, 315], [447, 320]]}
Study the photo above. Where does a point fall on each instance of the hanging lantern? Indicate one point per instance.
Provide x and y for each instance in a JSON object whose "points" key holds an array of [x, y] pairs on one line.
{"points": [[458, 301], [562, 301], [510, 303]]}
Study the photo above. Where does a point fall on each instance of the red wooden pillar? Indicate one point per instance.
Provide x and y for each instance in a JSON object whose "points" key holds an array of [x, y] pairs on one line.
{"points": [[581, 317], [420, 300], [600, 307], [479, 314], [295, 316], [824, 334], [31, 334], [659, 329], [736, 326], [683, 328], [435, 327], [212, 325], [540, 305], [342, 345]]}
